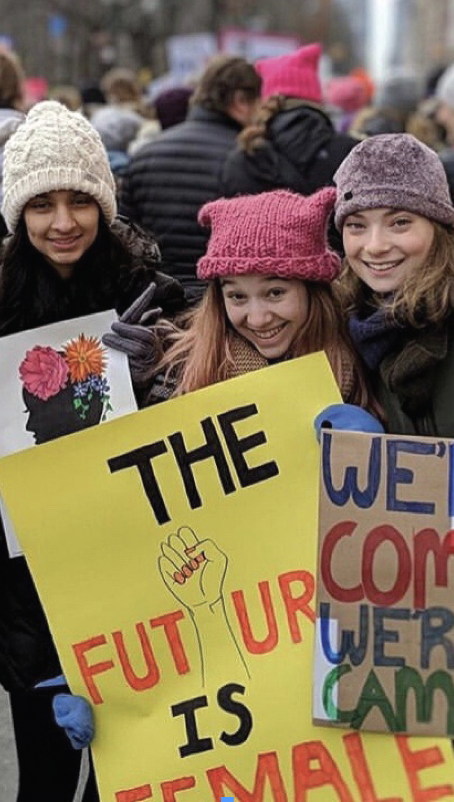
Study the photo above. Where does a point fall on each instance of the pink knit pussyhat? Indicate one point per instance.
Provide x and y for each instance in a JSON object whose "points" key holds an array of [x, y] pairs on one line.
{"points": [[277, 233], [293, 74]]}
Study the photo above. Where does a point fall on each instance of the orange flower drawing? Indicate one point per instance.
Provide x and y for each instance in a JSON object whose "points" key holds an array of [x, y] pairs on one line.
{"points": [[84, 357]]}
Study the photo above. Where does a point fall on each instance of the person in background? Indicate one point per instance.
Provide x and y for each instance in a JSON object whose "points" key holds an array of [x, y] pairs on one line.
{"points": [[444, 115], [395, 213], [67, 256], [11, 107], [292, 144], [117, 127], [69, 95], [171, 177], [92, 99], [344, 96], [120, 86], [172, 105], [373, 120]]}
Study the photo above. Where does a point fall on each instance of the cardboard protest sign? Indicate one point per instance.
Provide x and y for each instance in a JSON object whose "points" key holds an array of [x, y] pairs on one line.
{"points": [[175, 557], [385, 604], [65, 380]]}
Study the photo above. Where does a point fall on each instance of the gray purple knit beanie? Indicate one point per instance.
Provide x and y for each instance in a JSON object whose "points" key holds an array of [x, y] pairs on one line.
{"points": [[394, 171]]}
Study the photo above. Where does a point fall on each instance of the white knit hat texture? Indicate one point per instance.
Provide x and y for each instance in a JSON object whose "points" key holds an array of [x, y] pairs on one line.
{"points": [[55, 149]]}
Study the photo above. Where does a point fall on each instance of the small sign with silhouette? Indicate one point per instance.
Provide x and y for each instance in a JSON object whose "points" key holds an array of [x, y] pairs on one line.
{"points": [[58, 380]]}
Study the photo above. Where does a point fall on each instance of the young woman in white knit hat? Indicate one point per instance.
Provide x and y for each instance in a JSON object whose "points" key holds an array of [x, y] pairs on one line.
{"points": [[67, 256]]}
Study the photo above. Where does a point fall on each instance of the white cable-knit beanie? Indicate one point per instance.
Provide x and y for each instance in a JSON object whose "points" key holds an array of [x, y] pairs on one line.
{"points": [[55, 149]]}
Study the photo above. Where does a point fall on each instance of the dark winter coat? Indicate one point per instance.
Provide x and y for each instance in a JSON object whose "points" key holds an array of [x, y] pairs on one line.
{"points": [[415, 384], [302, 152], [27, 652], [167, 182]]}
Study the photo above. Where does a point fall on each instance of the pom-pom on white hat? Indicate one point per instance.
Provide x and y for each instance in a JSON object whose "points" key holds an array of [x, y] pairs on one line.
{"points": [[55, 149]]}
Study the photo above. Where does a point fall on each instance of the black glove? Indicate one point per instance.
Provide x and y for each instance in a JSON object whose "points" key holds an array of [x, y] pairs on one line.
{"points": [[133, 333]]}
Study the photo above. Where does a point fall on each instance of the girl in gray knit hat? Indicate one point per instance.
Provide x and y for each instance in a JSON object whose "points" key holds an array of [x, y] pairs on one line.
{"points": [[394, 210], [67, 256]]}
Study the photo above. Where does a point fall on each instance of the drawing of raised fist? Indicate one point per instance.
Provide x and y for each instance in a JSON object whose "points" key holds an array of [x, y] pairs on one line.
{"points": [[193, 569]]}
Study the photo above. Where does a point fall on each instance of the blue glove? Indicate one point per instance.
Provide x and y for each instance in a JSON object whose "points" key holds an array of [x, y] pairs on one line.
{"points": [[348, 417], [74, 715]]}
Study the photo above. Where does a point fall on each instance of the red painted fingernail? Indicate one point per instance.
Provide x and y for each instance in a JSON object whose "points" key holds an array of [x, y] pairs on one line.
{"points": [[186, 570], [200, 557], [178, 577]]}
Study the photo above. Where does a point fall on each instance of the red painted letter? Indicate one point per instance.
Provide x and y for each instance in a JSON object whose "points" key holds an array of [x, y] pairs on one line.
{"points": [[415, 762], [169, 622], [89, 671], [170, 789], [134, 794], [360, 769], [338, 531], [373, 541], [152, 675], [220, 780], [295, 603], [270, 641], [428, 541], [326, 772]]}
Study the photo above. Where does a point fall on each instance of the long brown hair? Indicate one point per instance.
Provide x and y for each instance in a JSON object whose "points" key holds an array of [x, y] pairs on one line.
{"points": [[426, 295], [197, 352]]}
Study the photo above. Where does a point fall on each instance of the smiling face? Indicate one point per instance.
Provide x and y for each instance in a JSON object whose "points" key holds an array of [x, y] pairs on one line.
{"points": [[266, 311], [62, 225], [383, 246]]}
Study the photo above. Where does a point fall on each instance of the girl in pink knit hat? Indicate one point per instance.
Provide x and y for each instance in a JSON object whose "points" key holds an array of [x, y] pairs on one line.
{"points": [[269, 297]]}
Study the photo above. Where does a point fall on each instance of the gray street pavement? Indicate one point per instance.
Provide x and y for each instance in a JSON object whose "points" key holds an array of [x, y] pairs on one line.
{"points": [[8, 769]]}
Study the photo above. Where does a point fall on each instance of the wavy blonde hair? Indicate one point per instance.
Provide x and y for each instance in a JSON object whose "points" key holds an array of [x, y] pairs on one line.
{"points": [[198, 354], [426, 295]]}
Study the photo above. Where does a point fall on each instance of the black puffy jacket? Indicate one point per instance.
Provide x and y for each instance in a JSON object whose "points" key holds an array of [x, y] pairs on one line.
{"points": [[167, 182], [27, 651], [301, 152]]}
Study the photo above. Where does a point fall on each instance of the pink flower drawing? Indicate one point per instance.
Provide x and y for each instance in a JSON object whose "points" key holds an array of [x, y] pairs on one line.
{"points": [[44, 372]]}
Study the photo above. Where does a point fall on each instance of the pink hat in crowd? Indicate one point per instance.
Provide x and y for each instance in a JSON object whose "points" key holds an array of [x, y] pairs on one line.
{"points": [[293, 74], [278, 233], [347, 92]]}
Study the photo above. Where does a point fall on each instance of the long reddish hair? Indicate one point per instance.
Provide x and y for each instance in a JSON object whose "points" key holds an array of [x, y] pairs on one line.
{"points": [[197, 352]]}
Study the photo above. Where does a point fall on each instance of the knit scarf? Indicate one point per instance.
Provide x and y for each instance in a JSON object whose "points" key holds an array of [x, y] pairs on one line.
{"points": [[405, 358], [374, 336], [245, 358]]}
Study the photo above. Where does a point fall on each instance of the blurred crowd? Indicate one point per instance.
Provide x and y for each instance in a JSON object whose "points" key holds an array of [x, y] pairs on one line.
{"points": [[129, 116]]}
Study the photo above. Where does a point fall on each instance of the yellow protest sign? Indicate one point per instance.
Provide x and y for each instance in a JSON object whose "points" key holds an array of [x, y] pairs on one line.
{"points": [[175, 552]]}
